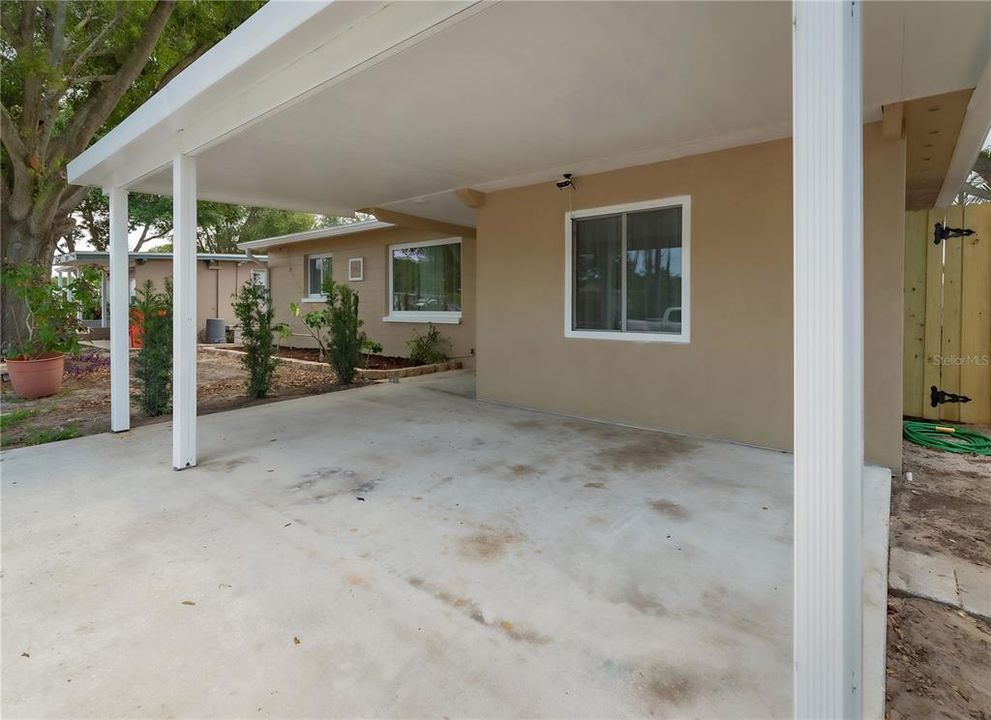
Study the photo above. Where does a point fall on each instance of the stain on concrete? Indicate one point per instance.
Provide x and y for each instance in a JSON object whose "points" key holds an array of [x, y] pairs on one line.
{"points": [[528, 424], [596, 520], [643, 602], [669, 509], [596, 485], [522, 471], [488, 544], [357, 581], [232, 464], [470, 609], [672, 687], [645, 451]]}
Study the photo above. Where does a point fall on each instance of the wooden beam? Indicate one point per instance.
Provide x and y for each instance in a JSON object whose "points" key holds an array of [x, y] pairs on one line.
{"points": [[471, 198], [419, 223], [893, 120]]}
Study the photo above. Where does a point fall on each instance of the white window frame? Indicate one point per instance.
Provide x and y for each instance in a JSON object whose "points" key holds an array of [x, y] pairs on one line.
{"points": [[419, 316], [263, 274], [684, 337], [315, 297], [356, 276]]}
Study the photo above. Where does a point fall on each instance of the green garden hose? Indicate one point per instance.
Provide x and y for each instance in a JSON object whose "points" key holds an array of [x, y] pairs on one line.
{"points": [[946, 437]]}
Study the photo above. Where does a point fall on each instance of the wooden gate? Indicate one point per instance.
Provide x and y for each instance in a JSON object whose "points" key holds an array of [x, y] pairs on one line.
{"points": [[948, 314]]}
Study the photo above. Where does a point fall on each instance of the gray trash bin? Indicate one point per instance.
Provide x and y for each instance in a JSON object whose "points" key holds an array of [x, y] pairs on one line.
{"points": [[216, 330]]}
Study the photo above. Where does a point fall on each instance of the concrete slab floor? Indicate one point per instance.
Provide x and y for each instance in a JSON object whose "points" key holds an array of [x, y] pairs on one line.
{"points": [[397, 551]]}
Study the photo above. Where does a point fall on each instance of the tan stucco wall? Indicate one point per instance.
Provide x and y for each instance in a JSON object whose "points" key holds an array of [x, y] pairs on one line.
{"points": [[213, 287], [287, 280], [734, 380]]}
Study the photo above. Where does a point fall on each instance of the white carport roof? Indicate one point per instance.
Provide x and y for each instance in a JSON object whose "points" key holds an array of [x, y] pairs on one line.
{"points": [[332, 107]]}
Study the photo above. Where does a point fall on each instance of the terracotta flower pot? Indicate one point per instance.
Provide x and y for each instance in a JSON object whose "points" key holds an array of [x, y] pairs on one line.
{"points": [[36, 377]]}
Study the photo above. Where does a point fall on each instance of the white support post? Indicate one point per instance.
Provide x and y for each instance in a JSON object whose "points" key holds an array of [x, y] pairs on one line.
{"points": [[828, 357], [120, 390], [103, 298], [184, 312]]}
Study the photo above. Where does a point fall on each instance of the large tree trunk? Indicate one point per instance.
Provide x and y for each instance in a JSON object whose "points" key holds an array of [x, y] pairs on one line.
{"points": [[20, 245]]}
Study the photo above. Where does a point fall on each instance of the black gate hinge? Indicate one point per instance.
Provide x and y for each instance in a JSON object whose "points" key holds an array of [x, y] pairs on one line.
{"points": [[938, 397], [942, 232]]}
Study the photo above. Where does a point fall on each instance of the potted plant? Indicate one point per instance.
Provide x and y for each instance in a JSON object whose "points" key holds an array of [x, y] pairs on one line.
{"points": [[36, 352]]}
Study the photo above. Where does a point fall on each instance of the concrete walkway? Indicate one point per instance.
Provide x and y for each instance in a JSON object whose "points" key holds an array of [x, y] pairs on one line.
{"points": [[397, 551]]}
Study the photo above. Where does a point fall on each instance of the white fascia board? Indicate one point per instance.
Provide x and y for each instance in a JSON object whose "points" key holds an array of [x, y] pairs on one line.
{"points": [[970, 141], [277, 57], [318, 234]]}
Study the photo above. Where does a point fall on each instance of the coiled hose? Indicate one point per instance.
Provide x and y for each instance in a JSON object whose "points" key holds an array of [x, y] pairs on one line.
{"points": [[946, 437]]}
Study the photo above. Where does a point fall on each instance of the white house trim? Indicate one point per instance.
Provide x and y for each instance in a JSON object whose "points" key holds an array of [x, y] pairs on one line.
{"points": [[318, 234], [415, 316], [684, 337], [973, 134], [828, 358]]}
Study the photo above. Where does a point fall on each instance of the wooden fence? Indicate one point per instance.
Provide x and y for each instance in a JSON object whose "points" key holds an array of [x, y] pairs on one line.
{"points": [[948, 314]]}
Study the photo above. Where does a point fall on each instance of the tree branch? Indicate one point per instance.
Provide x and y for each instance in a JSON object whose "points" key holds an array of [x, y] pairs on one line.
{"points": [[98, 107], [19, 200], [182, 65]]}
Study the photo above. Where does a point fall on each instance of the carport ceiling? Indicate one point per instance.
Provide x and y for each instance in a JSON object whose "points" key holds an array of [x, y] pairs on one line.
{"points": [[521, 91]]}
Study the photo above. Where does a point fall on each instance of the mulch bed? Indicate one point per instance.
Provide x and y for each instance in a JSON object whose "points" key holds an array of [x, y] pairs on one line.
{"points": [[375, 362], [82, 406]]}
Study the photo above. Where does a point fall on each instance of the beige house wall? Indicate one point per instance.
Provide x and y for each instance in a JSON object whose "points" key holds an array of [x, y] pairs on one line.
{"points": [[287, 280], [734, 379], [213, 287]]}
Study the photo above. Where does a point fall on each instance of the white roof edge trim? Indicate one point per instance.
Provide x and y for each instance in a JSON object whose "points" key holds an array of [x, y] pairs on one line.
{"points": [[970, 141], [318, 234], [82, 255], [266, 26]]}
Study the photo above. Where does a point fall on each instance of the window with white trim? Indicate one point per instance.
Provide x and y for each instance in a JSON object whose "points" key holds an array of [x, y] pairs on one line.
{"points": [[425, 282], [627, 272], [319, 269]]}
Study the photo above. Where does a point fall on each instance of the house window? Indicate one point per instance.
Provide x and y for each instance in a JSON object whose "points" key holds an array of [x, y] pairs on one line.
{"points": [[425, 282], [259, 277], [319, 269], [628, 272]]}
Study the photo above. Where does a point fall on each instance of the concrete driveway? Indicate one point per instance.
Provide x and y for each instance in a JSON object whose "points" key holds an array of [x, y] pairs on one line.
{"points": [[397, 551]]}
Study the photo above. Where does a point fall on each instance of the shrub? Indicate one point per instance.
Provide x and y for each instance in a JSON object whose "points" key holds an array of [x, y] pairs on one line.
{"points": [[253, 309], [50, 324], [428, 348], [153, 364], [345, 343]]}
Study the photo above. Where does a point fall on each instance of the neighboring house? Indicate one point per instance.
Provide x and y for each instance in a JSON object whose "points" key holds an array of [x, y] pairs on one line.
{"points": [[726, 260], [218, 276], [405, 278]]}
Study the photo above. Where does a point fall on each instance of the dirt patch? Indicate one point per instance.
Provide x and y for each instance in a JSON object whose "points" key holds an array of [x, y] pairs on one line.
{"points": [[82, 406], [938, 662], [522, 471], [665, 685], [596, 485], [939, 658], [488, 544], [669, 509], [947, 506]]}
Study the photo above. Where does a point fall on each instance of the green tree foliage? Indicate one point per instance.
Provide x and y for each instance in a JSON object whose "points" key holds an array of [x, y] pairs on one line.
{"points": [[254, 312], [337, 330], [220, 227], [71, 71], [50, 322], [152, 311]]}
